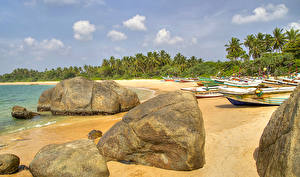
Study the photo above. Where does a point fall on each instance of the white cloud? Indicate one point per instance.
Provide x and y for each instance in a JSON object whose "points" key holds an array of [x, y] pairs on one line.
{"points": [[136, 23], [268, 13], [164, 37], [29, 41], [53, 44], [119, 49], [45, 45], [74, 2], [194, 40], [116, 35], [62, 2], [294, 25], [83, 30], [30, 3]]}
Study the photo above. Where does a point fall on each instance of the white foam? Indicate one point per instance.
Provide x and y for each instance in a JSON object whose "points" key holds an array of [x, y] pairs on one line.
{"points": [[42, 125]]}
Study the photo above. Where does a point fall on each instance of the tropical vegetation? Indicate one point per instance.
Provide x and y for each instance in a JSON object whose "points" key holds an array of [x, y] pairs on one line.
{"points": [[279, 52]]}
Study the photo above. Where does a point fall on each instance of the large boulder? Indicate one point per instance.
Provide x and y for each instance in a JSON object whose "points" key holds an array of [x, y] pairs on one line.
{"points": [[166, 131], [9, 163], [279, 147], [44, 103], [22, 113], [76, 158], [80, 96]]}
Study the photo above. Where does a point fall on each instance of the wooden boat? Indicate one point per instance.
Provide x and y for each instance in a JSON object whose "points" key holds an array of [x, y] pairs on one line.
{"points": [[208, 95], [256, 102], [233, 82], [187, 80], [200, 89], [168, 79], [253, 91]]}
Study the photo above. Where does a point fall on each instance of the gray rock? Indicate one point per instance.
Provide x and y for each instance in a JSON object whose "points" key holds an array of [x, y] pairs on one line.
{"points": [[44, 103], [166, 132], [80, 96], [94, 134], [9, 163], [279, 147], [74, 159], [22, 113]]}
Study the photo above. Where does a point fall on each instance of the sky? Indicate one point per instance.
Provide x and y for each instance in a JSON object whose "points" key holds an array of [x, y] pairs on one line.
{"points": [[40, 34]]}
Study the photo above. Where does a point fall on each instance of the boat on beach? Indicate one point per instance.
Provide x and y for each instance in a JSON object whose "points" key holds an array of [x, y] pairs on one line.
{"points": [[208, 95], [256, 102], [253, 91], [257, 96]]}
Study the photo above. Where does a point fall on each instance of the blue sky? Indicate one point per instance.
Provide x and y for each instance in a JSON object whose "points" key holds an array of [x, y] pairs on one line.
{"points": [[39, 34]]}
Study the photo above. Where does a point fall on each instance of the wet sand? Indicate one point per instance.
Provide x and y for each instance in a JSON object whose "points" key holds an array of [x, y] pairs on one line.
{"points": [[232, 135]]}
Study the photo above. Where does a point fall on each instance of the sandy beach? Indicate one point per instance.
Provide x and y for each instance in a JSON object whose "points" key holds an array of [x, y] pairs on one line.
{"points": [[232, 135]]}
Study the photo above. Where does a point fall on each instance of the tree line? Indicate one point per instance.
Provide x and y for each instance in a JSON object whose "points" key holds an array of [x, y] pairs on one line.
{"points": [[278, 52]]}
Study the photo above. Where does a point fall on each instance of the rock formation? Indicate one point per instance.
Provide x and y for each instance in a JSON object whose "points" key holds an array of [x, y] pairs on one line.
{"points": [[44, 103], [22, 113], [80, 96], [76, 158], [94, 134], [9, 163], [279, 147], [166, 131]]}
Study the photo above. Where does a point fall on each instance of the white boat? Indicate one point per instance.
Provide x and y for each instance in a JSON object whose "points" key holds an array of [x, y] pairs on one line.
{"points": [[209, 95], [200, 89], [251, 91]]}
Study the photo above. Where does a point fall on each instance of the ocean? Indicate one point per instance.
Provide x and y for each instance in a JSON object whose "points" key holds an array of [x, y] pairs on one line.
{"points": [[27, 96]]}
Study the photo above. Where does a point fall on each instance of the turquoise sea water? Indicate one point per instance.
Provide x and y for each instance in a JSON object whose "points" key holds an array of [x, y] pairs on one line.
{"points": [[27, 96]]}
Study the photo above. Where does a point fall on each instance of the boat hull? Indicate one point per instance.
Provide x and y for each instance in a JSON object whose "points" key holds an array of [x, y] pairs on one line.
{"points": [[208, 95], [247, 103]]}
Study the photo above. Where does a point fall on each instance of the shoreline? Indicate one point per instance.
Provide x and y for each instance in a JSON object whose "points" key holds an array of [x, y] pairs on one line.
{"points": [[232, 135]]}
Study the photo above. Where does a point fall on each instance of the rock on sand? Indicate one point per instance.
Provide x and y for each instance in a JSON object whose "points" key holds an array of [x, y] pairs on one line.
{"points": [[76, 158], [279, 147], [9, 163], [166, 132], [80, 96]]}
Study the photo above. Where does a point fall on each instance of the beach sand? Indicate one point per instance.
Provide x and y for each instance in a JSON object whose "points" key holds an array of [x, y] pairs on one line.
{"points": [[232, 135]]}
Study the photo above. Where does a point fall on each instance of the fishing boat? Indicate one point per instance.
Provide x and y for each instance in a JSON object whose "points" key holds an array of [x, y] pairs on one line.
{"points": [[254, 91], [236, 82], [201, 89], [256, 102], [208, 95], [168, 79]]}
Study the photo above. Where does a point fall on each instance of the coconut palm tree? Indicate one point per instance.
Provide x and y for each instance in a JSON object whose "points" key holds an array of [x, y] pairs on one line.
{"points": [[234, 49], [279, 39], [292, 35]]}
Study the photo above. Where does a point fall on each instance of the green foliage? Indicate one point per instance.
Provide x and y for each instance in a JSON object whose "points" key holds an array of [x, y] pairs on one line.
{"points": [[155, 64]]}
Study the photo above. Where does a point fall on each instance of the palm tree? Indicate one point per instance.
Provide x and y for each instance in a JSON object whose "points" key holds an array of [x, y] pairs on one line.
{"points": [[279, 39], [234, 49], [268, 40], [249, 42], [292, 35]]}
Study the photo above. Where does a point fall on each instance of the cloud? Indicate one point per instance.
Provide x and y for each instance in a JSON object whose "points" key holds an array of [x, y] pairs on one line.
{"points": [[83, 30], [44, 45], [119, 49], [116, 35], [74, 2], [136, 23], [53, 44], [29, 41], [194, 40], [163, 36], [62, 2], [294, 25], [30, 3], [268, 13]]}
